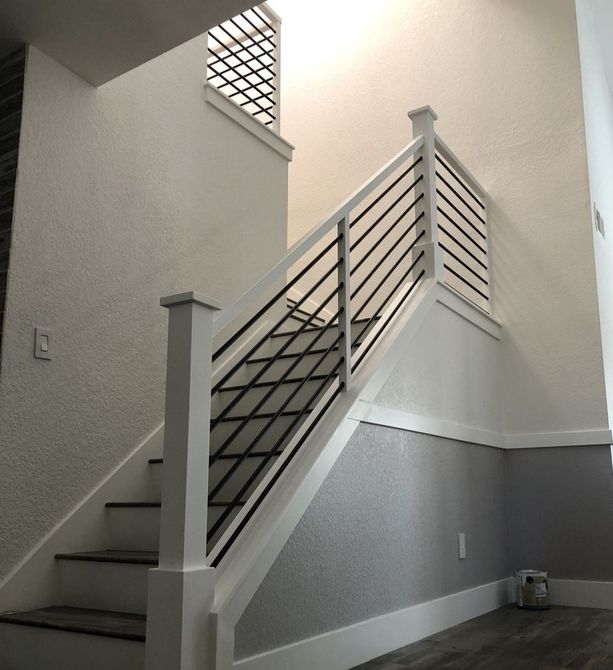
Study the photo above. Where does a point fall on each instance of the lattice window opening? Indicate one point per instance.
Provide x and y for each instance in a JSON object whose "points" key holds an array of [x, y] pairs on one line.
{"points": [[243, 63]]}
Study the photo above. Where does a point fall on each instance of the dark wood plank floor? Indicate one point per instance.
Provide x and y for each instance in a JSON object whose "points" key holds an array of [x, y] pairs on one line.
{"points": [[569, 638]]}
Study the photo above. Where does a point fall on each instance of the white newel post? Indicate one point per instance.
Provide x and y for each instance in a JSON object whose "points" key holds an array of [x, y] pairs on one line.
{"points": [[180, 632], [344, 301], [423, 124]]}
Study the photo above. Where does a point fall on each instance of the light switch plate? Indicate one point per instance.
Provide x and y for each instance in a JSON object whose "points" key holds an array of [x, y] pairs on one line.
{"points": [[462, 546], [42, 343]]}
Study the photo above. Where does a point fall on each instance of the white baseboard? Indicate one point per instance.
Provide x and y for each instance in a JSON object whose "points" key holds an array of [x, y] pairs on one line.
{"points": [[346, 647], [581, 593]]}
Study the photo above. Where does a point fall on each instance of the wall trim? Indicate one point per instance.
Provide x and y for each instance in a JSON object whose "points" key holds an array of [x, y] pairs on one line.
{"points": [[237, 114], [581, 593], [368, 412], [566, 438], [346, 647], [379, 415]]}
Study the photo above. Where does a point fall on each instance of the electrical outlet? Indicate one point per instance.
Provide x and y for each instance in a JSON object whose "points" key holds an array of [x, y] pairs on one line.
{"points": [[461, 546], [42, 343]]}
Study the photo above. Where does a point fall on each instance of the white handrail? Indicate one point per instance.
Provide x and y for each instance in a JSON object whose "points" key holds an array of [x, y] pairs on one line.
{"points": [[460, 168], [279, 272]]}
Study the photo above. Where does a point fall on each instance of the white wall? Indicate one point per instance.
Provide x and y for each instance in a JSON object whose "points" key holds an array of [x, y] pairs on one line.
{"points": [[504, 78], [125, 193], [598, 110], [451, 371]]}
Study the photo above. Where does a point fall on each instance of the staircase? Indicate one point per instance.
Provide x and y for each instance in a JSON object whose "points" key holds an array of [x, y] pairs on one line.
{"points": [[273, 366]]}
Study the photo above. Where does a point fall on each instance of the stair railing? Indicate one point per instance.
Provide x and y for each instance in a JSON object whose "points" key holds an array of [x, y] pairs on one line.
{"points": [[244, 62], [356, 271]]}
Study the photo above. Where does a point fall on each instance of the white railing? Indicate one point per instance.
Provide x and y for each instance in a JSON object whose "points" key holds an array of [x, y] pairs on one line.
{"points": [[406, 211], [244, 62]]}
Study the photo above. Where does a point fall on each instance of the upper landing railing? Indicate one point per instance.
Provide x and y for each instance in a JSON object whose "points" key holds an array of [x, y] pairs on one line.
{"points": [[243, 62]]}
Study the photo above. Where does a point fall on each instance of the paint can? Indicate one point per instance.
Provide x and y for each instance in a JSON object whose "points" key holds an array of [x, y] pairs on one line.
{"points": [[532, 589]]}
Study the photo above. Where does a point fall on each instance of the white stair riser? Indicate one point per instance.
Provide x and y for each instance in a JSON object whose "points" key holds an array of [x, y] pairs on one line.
{"points": [[134, 528], [138, 528], [250, 432], [235, 482], [30, 648], [304, 367], [118, 587], [275, 400]]}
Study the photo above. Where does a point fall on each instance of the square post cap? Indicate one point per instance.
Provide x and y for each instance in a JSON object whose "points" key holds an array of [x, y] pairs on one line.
{"points": [[423, 110], [190, 297]]}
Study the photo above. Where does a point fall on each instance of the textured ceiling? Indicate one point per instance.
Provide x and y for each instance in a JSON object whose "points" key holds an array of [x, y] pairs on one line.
{"points": [[100, 40]]}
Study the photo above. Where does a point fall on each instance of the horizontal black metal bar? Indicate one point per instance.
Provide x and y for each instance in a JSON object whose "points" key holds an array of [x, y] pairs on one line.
{"points": [[386, 255], [281, 411], [274, 358], [237, 48], [389, 273], [275, 478], [233, 68], [363, 351], [460, 213], [228, 441], [389, 296], [241, 76], [382, 195], [459, 227], [377, 221], [265, 37], [258, 385], [224, 60], [233, 85], [460, 198], [288, 431], [262, 18], [460, 181], [465, 281], [281, 293], [383, 237], [256, 99], [463, 264], [247, 47], [465, 249]]}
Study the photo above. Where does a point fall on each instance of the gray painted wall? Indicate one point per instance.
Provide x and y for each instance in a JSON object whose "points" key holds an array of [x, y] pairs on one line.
{"points": [[561, 511], [387, 516]]}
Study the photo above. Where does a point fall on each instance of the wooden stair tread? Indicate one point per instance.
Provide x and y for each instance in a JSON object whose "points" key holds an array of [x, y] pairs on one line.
{"points": [[257, 385], [112, 556], [78, 620], [227, 457], [315, 329], [215, 503], [263, 415], [296, 354]]}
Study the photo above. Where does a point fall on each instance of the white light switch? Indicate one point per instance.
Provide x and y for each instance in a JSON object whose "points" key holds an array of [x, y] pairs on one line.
{"points": [[461, 545], [42, 343]]}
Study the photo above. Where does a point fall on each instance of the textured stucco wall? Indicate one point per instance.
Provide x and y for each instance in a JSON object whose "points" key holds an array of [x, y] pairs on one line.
{"points": [[125, 193], [504, 78], [451, 371], [561, 511], [381, 535], [594, 17]]}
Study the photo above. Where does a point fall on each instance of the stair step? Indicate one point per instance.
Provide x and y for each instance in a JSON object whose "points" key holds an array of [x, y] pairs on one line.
{"points": [[296, 354], [112, 556], [132, 505], [121, 625], [222, 457], [315, 329], [112, 580], [263, 415], [267, 384]]}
